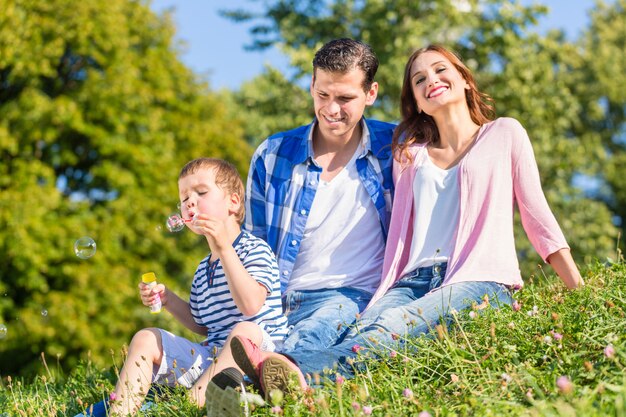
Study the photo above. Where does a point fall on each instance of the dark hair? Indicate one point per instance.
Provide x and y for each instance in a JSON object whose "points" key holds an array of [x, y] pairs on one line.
{"points": [[418, 127], [226, 177], [343, 55]]}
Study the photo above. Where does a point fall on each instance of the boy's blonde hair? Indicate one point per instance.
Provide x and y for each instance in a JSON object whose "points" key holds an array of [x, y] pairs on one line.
{"points": [[226, 177]]}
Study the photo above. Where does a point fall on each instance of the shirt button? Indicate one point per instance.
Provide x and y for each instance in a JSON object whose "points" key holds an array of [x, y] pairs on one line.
{"points": [[294, 242], [311, 182], [285, 272], [303, 212]]}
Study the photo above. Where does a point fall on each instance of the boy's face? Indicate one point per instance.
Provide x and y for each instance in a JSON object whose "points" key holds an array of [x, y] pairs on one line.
{"points": [[340, 101], [199, 194]]}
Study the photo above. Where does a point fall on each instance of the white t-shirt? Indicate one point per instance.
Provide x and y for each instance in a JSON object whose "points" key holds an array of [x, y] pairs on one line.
{"points": [[436, 209], [342, 245]]}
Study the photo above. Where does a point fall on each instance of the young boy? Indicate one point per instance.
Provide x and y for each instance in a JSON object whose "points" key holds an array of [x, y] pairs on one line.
{"points": [[235, 291]]}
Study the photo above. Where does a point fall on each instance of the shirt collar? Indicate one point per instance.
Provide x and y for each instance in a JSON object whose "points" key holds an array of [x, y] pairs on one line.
{"points": [[365, 145]]}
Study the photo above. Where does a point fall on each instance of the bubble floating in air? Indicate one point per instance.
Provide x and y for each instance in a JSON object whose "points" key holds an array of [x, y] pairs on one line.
{"points": [[85, 247], [44, 312], [3, 331], [175, 223]]}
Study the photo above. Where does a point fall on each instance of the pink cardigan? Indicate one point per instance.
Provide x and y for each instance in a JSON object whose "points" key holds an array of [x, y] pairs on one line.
{"points": [[498, 171]]}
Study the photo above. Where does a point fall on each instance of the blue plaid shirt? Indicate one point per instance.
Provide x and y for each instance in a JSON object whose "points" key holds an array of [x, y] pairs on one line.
{"points": [[283, 179]]}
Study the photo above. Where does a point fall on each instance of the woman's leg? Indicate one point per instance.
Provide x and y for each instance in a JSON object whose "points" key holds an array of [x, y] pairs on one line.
{"points": [[413, 319], [145, 351], [225, 359]]}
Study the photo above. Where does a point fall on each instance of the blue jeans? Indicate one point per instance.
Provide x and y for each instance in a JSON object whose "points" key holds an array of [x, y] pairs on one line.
{"points": [[411, 308], [318, 318]]}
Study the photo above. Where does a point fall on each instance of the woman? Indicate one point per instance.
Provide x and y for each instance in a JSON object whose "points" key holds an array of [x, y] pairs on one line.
{"points": [[458, 174]]}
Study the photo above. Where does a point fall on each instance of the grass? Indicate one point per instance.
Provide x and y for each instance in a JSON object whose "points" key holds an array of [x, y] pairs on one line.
{"points": [[561, 354]]}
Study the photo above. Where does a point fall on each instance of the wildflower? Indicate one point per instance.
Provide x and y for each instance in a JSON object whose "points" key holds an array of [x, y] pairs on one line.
{"points": [[367, 410], [356, 406], [393, 353], [407, 393], [557, 336], [511, 325], [533, 312], [472, 314], [547, 339], [564, 384], [395, 336], [454, 378], [340, 380], [506, 377], [277, 410], [424, 414], [112, 397], [609, 351], [356, 348], [516, 306]]}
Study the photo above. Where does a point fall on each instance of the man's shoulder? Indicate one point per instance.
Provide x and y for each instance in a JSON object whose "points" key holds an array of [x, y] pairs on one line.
{"points": [[380, 125], [380, 129]]}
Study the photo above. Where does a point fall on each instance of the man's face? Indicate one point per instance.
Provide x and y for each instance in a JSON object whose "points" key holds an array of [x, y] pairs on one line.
{"points": [[339, 101]]}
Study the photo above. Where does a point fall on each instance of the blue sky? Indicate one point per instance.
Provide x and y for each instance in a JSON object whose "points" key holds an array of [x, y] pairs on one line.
{"points": [[214, 46]]}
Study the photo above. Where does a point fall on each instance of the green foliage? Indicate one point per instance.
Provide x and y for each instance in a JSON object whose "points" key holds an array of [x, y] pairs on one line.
{"points": [[98, 117], [269, 104], [554, 87], [604, 88], [498, 362]]}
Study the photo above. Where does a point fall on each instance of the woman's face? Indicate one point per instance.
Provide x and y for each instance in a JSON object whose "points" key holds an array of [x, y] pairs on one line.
{"points": [[436, 83]]}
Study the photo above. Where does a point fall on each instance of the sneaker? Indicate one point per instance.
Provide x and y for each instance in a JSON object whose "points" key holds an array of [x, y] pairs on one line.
{"points": [[224, 395], [248, 357], [280, 373], [267, 370]]}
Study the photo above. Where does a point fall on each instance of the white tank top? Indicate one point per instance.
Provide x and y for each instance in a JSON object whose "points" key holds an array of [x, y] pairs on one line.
{"points": [[436, 207]]}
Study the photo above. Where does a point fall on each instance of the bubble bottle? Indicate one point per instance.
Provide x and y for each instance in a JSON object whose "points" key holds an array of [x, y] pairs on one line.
{"points": [[150, 279]]}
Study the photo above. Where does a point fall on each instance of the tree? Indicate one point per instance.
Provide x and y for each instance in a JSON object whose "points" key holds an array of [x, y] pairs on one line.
{"points": [[98, 115], [496, 40], [603, 86]]}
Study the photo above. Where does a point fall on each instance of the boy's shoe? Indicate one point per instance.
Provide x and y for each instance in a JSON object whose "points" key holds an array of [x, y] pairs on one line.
{"points": [[248, 357], [278, 372], [267, 370], [224, 395]]}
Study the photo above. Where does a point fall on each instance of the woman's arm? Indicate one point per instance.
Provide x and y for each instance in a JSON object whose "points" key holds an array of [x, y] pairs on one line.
{"points": [[564, 266]]}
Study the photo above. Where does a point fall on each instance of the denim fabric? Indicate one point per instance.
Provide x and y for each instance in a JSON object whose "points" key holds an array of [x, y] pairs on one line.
{"points": [[405, 311], [409, 288], [317, 318]]}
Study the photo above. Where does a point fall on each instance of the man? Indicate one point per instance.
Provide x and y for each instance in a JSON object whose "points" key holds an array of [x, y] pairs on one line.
{"points": [[320, 195]]}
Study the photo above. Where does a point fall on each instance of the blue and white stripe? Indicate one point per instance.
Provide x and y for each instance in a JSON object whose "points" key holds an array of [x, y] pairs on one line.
{"points": [[212, 304]]}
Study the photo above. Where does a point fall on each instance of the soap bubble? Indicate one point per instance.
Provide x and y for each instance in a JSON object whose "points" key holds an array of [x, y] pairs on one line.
{"points": [[85, 247], [3, 331], [44, 312], [175, 223]]}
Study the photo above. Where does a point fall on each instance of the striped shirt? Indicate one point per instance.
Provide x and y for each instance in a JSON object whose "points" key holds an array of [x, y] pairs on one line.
{"points": [[283, 180], [212, 304]]}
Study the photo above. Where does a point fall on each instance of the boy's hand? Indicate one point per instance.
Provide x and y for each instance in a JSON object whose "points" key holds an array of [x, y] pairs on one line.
{"points": [[149, 295], [214, 230]]}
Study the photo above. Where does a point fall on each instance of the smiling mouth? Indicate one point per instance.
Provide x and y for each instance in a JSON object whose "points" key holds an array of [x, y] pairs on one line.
{"points": [[333, 120], [437, 92]]}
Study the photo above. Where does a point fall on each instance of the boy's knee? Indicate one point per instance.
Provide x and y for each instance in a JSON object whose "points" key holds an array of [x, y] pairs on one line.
{"points": [[246, 328], [147, 338]]}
